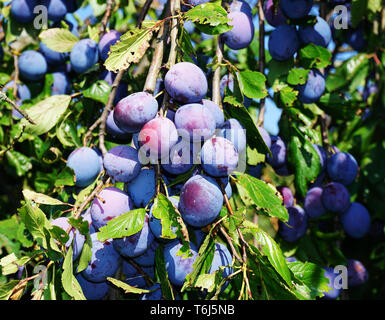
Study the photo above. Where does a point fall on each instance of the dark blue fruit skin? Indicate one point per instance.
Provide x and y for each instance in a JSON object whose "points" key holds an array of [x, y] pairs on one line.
{"points": [[313, 203], [335, 197], [265, 136], [72, 5], [200, 201], [322, 155], [32, 65], [287, 195], [216, 112], [283, 171], [121, 91], [180, 160], [113, 129], [156, 225], [133, 277], [356, 39], [255, 171], [61, 84], [116, 203], [233, 130], [154, 295], [186, 83], [23, 92], [319, 34], [84, 55], [147, 259], [222, 258], [356, 220], [178, 268], [283, 42], [274, 18], [297, 225], [342, 167], [278, 152], [53, 57], [241, 6], [296, 9], [57, 9], [313, 89], [86, 164], [136, 244], [142, 188], [357, 273], [92, 290], [22, 10], [334, 292], [106, 41], [104, 261], [122, 163], [242, 33]]}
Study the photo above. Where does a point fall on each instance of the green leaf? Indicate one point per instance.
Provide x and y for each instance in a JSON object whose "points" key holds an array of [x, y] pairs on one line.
{"points": [[58, 39], [98, 91], [164, 210], [288, 96], [41, 198], [262, 195], [10, 263], [212, 14], [252, 84], [6, 289], [127, 288], [124, 225], [297, 76], [19, 161], [313, 56], [69, 282], [65, 178], [86, 255], [161, 273]]}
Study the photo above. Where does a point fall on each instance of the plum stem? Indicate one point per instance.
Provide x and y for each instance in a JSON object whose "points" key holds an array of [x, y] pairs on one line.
{"points": [[216, 97]]}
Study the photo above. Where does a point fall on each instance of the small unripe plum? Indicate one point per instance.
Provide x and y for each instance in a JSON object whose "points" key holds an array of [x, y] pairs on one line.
{"points": [[156, 225], [242, 33], [313, 89], [92, 290], [178, 268], [356, 220], [142, 188], [56, 9], [296, 9], [313, 203], [216, 112], [287, 195], [122, 163], [136, 244], [116, 202], [61, 84], [335, 197], [104, 261], [233, 130], [106, 41], [186, 83], [114, 130], [278, 152], [84, 55], [32, 65], [334, 292], [22, 10], [200, 201], [133, 112], [357, 274], [297, 225], [342, 167], [53, 57], [283, 42], [86, 164], [273, 16]]}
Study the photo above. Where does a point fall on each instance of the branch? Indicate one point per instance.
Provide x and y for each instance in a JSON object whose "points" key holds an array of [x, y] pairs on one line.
{"points": [[216, 97], [144, 12], [106, 17], [3, 97], [262, 59], [14, 140]]}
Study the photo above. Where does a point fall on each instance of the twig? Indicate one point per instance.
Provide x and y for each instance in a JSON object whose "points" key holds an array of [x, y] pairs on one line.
{"points": [[230, 242], [143, 12], [262, 59], [3, 97], [106, 17], [16, 76], [14, 140], [216, 97], [149, 281]]}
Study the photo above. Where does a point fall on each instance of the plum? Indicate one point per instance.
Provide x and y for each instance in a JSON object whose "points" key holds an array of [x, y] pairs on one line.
{"points": [[233, 130], [318, 34], [134, 111], [136, 244], [135, 278], [61, 84], [114, 130], [156, 294], [283, 42], [313, 89], [335, 197], [93, 290], [86, 164], [255, 171], [291, 259], [356, 220], [32, 65], [84, 55], [104, 260], [142, 188], [121, 91], [274, 16], [287, 195], [228, 81], [186, 83], [216, 112], [178, 268], [242, 33], [334, 292], [53, 58], [322, 156], [265, 136], [278, 152], [23, 92], [241, 6], [180, 159], [313, 203], [357, 273], [356, 39], [342, 167], [296, 9], [156, 225], [106, 41], [283, 171], [72, 5], [22, 10], [122, 163], [156, 138], [297, 225], [200, 201], [219, 157], [116, 202], [222, 258], [147, 259], [195, 122], [56, 9]]}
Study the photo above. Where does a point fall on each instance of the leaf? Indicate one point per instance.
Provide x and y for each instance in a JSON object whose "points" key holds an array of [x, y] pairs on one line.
{"points": [[262, 195], [58, 39], [130, 49], [252, 84], [124, 225], [10, 263], [297, 76], [313, 56], [127, 288], [98, 91], [164, 210], [7, 288], [86, 255], [19, 161], [161, 273], [69, 282], [65, 178], [41, 198], [46, 114], [288, 96], [212, 14]]}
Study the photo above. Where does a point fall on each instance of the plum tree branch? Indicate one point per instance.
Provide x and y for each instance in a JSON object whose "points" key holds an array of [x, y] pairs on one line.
{"points": [[106, 17], [216, 97], [262, 58], [3, 97]]}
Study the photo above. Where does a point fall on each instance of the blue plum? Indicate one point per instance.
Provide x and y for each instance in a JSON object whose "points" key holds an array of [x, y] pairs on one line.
{"points": [[283, 171], [356, 220], [122, 163], [106, 41], [291, 259], [216, 112], [335, 197], [156, 225], [357, 273], [135, 278], [318, 34], [32, 65], [147, 259], [178, 268], [242, 33], [93, 290], [356, 39], [342, 167], [53, 58], [142, 188], [61, 84], [233, 130], [287, 195], [334, 292], [56, 9], [322, 155], [278, 152], [114, 130], [186, 83], [116, 202], [23, 92], [313, 203], [134, 111], [265, 136], [241, 6], [297, 225], [255, 171], [84, 55], [200, 201], [296, 9], [86, 164], [121, 91], [313, 89], [274, 16], [180, 159], [156, 294], [222, 258], [22, 10], [219, 157], [283, 42]]}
